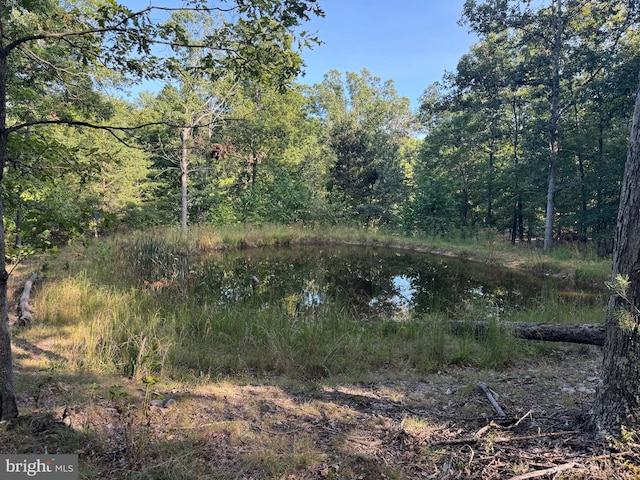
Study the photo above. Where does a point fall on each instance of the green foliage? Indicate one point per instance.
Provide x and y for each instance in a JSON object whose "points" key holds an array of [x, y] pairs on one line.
{"points": [[433, 209], [343, 151], [104, 169], [283, 201], [365, 122], [489, 122]]}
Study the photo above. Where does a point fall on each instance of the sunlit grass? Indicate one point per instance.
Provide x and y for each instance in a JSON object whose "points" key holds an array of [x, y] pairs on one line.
{"points": [[566, 309], [122, 306]]}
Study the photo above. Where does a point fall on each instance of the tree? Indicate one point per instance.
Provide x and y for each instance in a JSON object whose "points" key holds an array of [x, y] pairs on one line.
{"points": [[451, 176], [60, 52], [275, 141], [195, 102], [366, 124], [617, 405], [562, 45], [196, 113]]}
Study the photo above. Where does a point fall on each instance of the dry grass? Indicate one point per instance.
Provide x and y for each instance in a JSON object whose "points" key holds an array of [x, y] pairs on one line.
{"points": [[417, 426]]}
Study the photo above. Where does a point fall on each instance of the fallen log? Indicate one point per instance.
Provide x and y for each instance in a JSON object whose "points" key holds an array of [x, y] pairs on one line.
{"points": [[25, 314], [585, 333]]}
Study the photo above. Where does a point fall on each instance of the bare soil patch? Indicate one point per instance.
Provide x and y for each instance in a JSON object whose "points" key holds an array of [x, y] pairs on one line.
{"points": [[438, 426]]}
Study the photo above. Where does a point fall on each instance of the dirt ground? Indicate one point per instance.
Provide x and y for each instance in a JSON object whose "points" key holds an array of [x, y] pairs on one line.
{"points": [[440, 425]]}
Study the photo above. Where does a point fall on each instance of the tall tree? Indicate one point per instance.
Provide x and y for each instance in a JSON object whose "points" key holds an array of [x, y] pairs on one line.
{"points": [[617, 404], [185, 142], [59, 50], [558, 41], [276, 149], [366, 123]]}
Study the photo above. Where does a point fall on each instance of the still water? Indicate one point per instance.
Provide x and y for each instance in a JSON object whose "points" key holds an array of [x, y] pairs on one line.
{"points": [[371, 282]]}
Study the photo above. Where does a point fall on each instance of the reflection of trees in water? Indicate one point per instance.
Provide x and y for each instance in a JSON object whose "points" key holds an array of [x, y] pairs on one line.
{"points": [[367, 281]]}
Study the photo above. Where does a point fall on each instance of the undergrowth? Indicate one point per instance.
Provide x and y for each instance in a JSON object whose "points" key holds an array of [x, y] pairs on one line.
{"points": [[125, 307], [117, 315]]}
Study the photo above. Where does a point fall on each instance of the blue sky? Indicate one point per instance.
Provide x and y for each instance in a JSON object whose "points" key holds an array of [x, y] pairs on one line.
{"points": [[412, 42]]}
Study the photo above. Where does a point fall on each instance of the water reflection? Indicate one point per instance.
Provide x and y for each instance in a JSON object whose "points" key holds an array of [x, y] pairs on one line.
{"points": [[368, 281]]}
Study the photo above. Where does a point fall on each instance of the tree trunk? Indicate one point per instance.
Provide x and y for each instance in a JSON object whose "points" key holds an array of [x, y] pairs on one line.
{"points": [[582, 227], [25, 314], [489, 218], [586, 333], [184, 171], [617, 404], [553, 126], [8, 404], [582, 230], [517, 228], [19, 217]]}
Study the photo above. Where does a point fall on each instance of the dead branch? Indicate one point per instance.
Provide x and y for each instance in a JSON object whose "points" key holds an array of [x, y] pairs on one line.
{"points": [[609, 456], [528, 414], [492, 400], [25, 314], [476, 439], [547, 471], [586, 333], [484, 430], [535, 437], [456, 441]]}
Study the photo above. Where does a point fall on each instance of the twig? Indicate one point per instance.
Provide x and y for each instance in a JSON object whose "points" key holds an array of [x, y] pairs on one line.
{"points": [[476, 439], [472, 455], [456, 441], [536, 436], [492, 400], [609, 456], [483, 430], [528, 414], [547, 471], [446, 469]]}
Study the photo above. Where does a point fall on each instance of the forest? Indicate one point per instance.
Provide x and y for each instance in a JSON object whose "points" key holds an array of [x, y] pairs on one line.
{"points": [[527, 138], [526, 143]]}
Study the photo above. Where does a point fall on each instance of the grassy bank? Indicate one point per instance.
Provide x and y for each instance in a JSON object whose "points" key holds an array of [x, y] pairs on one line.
{"points": [[261, 392], [123, 307]]}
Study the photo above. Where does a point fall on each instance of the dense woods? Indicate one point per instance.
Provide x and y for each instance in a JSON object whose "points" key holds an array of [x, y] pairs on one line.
{"points": [[491, 145], [527, 138], [498, 143]]}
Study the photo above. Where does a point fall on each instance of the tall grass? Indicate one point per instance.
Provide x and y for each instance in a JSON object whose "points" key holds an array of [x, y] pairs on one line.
{"points": [[125, 306]]}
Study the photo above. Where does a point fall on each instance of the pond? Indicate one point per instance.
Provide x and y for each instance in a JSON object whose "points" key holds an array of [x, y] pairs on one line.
{"points": [[372, 282]]}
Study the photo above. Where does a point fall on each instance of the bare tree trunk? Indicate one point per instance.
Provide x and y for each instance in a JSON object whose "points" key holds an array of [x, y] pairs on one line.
{"points": [[18, 242], [489, 218], [617, 404], [553, 126], [584, 333], [184, 171], [517, 230], [8, 404], [25, 314], [582, 229]]}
